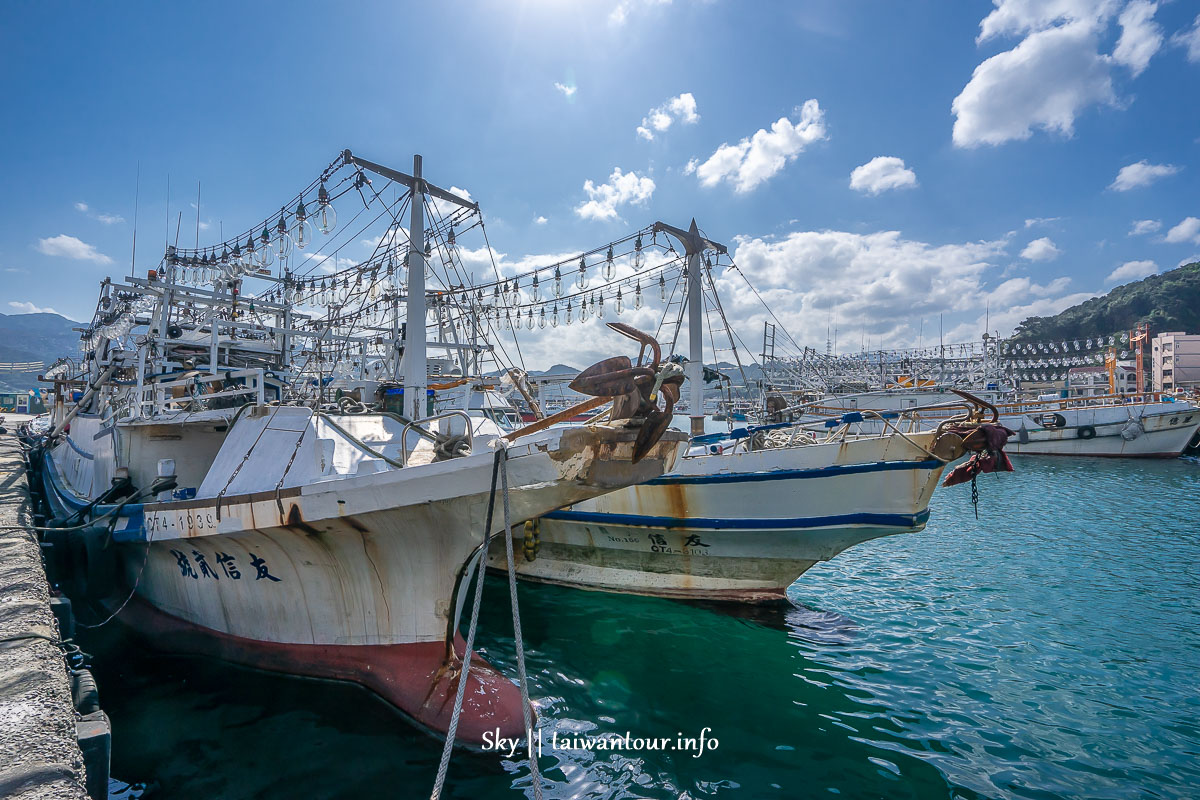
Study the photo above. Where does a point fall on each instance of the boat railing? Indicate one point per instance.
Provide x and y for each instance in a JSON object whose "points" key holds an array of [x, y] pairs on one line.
{"points": [[165, 396], [1018, 407], [423, 424]]}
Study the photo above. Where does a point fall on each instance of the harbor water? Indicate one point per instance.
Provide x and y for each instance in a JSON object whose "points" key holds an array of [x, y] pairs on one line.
{"points": [[1050, 648]]}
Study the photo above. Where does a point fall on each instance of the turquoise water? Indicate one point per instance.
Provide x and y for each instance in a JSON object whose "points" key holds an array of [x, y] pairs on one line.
{"points": [[1049, 649]]}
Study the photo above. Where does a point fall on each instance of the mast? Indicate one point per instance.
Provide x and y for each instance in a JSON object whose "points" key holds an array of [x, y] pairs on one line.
{"points": [[693, 246], [695, 365], [414, 330]]}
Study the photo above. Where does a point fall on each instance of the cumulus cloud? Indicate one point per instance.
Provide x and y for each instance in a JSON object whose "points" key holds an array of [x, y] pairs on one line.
{"points": [[24, 307], [880, 174], [567, 90], [1044, 82], [1020, 17], [1141, 36], [1142, 173], [1190, 40], [64, 246], [878, 283], [1142, 227], [682, 107], [757, 158], [621, 188], [1042, 249], [1131, 271], [540, 220], [1186, 231]]}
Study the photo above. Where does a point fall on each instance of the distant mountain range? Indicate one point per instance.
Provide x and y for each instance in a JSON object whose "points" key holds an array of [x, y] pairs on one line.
{"points": [[34, 337], [1169, 301]]}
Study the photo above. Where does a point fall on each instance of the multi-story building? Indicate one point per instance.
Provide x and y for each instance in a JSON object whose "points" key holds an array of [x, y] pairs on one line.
{"points": [[1176, 358]]}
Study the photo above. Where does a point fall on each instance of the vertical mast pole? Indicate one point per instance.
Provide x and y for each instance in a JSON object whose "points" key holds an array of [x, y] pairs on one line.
{"points": [[414, 329], [695, 365]]}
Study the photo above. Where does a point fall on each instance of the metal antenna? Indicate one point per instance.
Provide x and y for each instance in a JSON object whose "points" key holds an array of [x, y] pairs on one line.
{"points": [[137, 190], [197, 215]]}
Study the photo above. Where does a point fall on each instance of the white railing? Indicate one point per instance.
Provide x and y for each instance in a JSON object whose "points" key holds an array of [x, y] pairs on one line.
{"points": [[166, 396]]}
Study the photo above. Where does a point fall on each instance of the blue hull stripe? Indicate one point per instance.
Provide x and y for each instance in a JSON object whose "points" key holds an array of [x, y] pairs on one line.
{"points": [[133, 514], [797, 474], [707, 523]]}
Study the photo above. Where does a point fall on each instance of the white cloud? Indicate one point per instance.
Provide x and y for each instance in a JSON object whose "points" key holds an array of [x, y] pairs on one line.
{"points": [[1189, 260], [65, 246], [106, 219], [568, 91], [540, 220], [622, 10], [622, 188], [1131, 271], [1141, 227], [1042, 249], [878, 283], [1044, 82], [880, 174], [1186, 231], [1029, 223], [1021, 17], [29, 308], [1142, 173], [1140, 36], [1190, 39], [757, 158], [682, 107]]}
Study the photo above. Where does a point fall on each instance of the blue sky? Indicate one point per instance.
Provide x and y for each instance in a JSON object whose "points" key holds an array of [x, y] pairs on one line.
{"points": [[872, 165]]}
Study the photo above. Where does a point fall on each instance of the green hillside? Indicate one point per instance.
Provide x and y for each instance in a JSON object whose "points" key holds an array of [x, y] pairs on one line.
{"points": [[1169, 301]]}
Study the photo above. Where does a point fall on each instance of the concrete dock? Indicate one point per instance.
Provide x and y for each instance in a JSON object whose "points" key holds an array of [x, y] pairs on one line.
{"points": [[40, 755]]}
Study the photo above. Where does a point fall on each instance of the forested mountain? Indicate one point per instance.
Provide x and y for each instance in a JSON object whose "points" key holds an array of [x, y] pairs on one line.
{"points": [[1169, 301]]}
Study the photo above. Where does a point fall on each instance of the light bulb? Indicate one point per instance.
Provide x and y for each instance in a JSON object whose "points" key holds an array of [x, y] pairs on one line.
{"points": [[554, 319], [662, 288], [266, 254], [557, 282], [529, 319], [610, 269], [619, 305], [542, 318], [283, 242], [639, 258], [533, 292], [600, 308], [638, 302], [302, 232], [583, 310], [568, 312], [326, 217], [582, 281]]}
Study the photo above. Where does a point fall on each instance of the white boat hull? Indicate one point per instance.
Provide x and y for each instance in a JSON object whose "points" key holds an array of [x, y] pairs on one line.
{"points": [[1126, 430], [739, 526], [358, 576]]}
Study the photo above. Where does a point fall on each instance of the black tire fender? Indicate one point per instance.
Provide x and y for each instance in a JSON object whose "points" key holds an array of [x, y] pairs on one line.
{"points": [[1086, 432]]}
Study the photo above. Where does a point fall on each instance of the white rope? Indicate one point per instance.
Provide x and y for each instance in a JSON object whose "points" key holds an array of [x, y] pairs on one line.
{"points": [[448, 746], [526, 705]]}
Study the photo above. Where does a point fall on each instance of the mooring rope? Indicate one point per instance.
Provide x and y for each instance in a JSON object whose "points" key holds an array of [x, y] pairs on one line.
{"points": [[452, 731], [526, 705]]}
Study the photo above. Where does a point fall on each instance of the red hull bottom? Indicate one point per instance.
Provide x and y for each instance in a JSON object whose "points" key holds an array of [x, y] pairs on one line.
{"points": [[412, 677]]}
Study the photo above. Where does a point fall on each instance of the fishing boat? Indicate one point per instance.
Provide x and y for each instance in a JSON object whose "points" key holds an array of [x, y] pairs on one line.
{"points": [[259, 472], [1148, 425], [746, 511]]}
